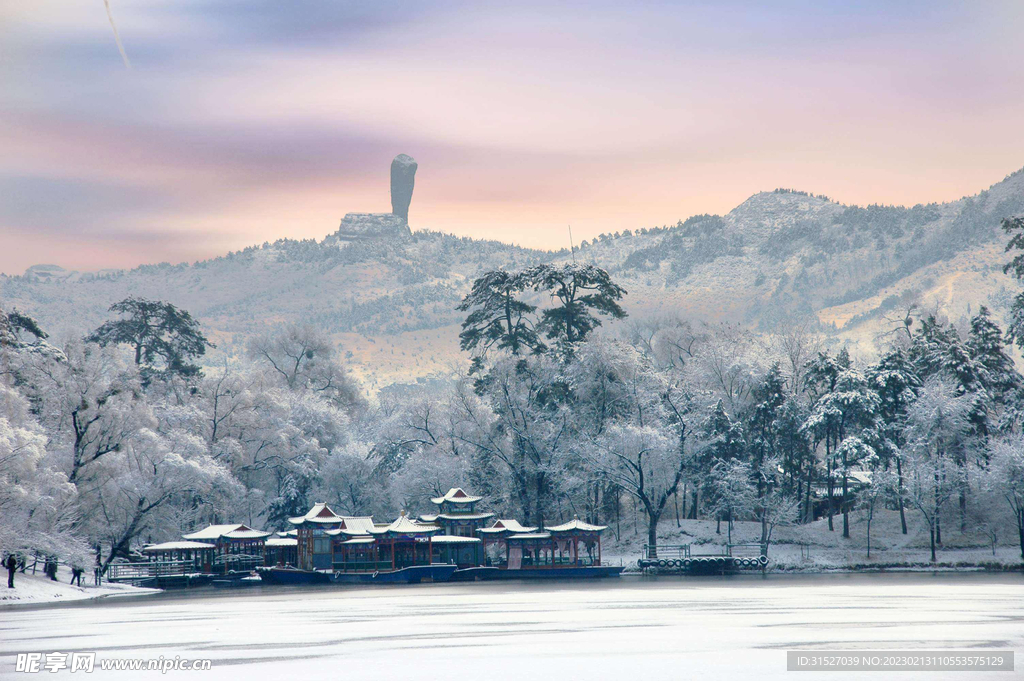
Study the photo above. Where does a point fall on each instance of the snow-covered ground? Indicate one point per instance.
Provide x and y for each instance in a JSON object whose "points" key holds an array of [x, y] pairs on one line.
{"points": [[813, 547], [38, 588], [630, 628]]}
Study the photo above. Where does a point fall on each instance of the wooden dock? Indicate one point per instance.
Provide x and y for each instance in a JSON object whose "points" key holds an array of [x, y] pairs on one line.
{"points": [[681, 558]]}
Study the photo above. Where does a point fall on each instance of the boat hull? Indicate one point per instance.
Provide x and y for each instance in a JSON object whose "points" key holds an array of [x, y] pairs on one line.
{"points": [[474, 574], [274, 575], [409, 575]]}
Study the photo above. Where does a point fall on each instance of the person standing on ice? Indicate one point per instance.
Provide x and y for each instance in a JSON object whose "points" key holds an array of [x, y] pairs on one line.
{"points": [[11, 564]]}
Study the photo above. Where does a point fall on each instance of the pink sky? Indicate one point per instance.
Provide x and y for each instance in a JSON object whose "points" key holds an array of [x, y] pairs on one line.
{"points": [[242, 122]]}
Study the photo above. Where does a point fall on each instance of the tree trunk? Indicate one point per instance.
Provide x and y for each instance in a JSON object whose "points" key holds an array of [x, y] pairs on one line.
{"points": [[828, 470], [871, 512], [808, 504], [932, 533], [652, 536], [846, 500], [899, 498]]}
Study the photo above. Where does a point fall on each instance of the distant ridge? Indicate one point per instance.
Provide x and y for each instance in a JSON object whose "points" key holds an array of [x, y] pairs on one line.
{"points": [[781, 257]]}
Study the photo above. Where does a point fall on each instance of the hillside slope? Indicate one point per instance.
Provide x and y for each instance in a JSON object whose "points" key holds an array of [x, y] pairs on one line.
{"points": [[779, 258]]}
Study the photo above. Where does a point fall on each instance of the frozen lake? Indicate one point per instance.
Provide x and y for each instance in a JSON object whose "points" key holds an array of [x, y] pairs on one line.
{"points": [[632, 628]]}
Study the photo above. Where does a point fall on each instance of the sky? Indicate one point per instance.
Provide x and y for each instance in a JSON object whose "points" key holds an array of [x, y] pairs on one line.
{"points": [[244, 121]]}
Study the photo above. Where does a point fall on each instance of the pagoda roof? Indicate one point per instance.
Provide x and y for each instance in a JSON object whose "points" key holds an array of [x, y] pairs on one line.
{"points": [[360, 540], [320, 513], [453, 539], [177, 546], [282, 541], [405, 525], [506, 525], [356, 526], [531, 535], [288, 533], [456, 495], [459, 516], [237, 531], [576, 525]]}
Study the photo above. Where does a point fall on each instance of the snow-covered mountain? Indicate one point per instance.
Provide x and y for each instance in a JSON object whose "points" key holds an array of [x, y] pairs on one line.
{"points": [[780, 257]]}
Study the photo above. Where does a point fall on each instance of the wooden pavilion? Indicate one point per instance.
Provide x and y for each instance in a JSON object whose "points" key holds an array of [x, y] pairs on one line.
{"points": [[572, 544], [199, 555]]}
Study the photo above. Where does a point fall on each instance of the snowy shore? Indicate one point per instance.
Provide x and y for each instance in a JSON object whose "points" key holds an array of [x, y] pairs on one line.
{"points": [[814, 548], [40, 589]]}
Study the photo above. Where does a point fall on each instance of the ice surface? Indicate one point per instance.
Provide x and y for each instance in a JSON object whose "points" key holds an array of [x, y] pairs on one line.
{"points": [[632, 628]]}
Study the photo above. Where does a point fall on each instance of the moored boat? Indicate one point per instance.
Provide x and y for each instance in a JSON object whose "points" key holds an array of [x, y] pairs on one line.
{"points": [[414, 574], [291, 575]]}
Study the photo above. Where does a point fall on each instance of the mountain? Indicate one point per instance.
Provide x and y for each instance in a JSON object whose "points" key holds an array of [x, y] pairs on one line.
{"points": [[387, 294]]}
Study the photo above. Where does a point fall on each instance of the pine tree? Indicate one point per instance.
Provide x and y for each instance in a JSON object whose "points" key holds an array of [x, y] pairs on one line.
{"points": [[894, 379], [997, 372], [159, 333], [768, 397], [581, 292], [848, 409], [497, 317]]}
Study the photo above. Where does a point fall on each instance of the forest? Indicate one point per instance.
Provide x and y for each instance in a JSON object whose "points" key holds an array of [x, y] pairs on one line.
{"points": [[124, 436]]}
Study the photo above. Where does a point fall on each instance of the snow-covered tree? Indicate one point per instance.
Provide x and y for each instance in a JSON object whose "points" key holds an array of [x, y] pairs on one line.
{"points": [[896, 382], [37, 503], [166, 341], [580, 293], [498, 317], [845, 408], [301, 357], [1006, 478], [936, 425]]}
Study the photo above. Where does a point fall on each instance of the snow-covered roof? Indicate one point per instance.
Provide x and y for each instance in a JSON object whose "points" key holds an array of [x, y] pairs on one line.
{"points": [[247, 534], [360, 540], [177, 546], [506, 525], [461, 516], [405, 525], [320, 513], [288, 533], [428, 518], [282, 541], [531, 535], [354, 526], [456, 495], [362, 524], [236, 531], [577, 525], [453, 539]]}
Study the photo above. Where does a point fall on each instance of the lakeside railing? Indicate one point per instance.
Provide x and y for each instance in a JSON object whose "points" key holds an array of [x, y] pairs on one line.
{"points": [[667, 551], [135, 572]]}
